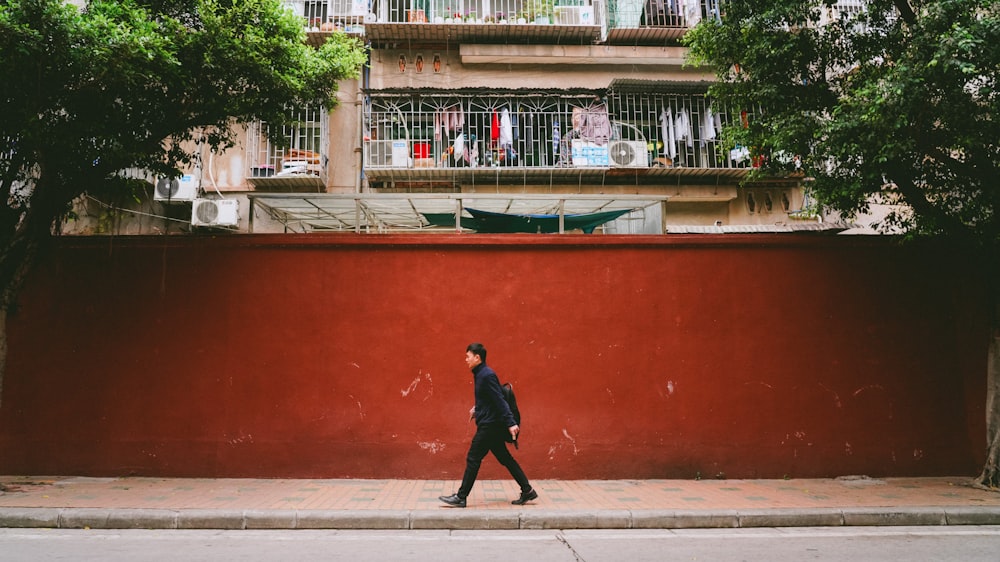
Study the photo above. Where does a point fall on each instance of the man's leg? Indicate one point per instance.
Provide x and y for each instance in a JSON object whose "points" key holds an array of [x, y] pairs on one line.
{"points": [[499, 449], [477, 451]]}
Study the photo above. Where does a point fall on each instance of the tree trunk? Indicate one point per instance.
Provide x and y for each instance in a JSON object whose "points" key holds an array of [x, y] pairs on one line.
{"points": [[3, 350], [990, 477]]}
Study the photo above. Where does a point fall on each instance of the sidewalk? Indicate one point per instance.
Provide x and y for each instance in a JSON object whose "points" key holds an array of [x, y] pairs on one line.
{"points": [[193, 503]]}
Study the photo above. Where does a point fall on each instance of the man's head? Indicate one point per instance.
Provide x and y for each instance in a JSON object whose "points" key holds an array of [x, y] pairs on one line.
{"points": [[475, 354]]}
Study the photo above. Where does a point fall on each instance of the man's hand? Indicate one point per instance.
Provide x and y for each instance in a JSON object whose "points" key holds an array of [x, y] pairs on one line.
{"points": [[472, 413], [514, 430]]}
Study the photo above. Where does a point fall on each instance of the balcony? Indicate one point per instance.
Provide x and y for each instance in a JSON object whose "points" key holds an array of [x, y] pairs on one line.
{"points": [[617, 137], [631, 22], [654, 22], [298, 162], [578, 22], [322, 18]]}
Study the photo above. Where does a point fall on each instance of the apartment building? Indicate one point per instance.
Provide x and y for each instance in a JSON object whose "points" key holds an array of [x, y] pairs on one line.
{"points": [[502, 116]]}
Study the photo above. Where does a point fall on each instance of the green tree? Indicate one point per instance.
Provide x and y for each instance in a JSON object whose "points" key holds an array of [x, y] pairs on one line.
{"points": [[117, 85], [895, 102]]}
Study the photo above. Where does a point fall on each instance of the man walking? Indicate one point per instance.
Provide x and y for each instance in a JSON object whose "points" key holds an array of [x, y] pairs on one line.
{"points": [[494, 422]]}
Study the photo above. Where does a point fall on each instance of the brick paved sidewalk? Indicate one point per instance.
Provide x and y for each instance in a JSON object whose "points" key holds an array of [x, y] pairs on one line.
{"points": [[317, 503]]}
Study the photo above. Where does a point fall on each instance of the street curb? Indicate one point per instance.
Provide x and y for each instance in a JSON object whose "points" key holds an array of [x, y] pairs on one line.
{"points": [[474, 519]]}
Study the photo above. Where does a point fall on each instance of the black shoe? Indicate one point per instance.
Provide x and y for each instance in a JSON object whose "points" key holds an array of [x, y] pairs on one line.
{"points": [[526, 497], [453, 500]]}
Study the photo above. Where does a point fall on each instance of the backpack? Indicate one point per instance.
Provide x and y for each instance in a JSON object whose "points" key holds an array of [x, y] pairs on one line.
{"points": [[508, 394]]}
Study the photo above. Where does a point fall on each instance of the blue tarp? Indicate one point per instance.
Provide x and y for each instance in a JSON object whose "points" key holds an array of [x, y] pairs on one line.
{"points": [[494, 223]]}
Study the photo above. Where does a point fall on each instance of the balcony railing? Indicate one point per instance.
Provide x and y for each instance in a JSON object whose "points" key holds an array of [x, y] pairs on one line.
{"points": [[321, 18], [538, 137], [638, 21], [488, 21], [505, 21], [537, 21], [299, 162]]}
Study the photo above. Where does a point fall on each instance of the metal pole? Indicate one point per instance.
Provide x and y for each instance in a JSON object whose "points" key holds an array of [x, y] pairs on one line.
{"points": [[357, 215]]}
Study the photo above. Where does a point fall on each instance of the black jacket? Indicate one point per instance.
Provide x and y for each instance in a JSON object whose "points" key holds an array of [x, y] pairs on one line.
{"points": [[491, 408]]}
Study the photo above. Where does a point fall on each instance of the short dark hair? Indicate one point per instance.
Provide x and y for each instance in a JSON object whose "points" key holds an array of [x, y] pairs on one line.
{"points": [[477, 349]]}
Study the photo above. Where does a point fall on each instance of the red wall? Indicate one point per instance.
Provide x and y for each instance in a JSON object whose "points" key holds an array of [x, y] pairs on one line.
{"points": [[633, 357]]}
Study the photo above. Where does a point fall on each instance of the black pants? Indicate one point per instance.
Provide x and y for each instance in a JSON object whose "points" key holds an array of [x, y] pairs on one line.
{"points": [[490, 439]]}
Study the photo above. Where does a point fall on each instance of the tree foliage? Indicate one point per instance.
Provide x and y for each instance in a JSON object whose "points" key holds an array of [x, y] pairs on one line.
{"points": [[896, 102], [118, 85]]}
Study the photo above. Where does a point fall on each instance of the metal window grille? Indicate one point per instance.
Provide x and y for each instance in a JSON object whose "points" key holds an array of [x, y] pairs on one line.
{"points": [[620, 13], [317, 12], [302, 148], [549, 130], [849, 8], [681, 130], [567, 12], [624, 14]]}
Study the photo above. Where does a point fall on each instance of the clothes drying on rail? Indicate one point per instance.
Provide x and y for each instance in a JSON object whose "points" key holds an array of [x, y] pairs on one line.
{"points": [[711, 125], [448, 120], [506, 133], [667, 132], [592, 123], [682, 128], [692, 12]]}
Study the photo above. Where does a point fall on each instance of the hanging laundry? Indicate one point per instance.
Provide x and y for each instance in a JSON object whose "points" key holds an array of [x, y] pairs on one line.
{"points": [[707, 126], [712, 10], [682, 128], [667, 132], [692, 12], [592, 123], [506, 129], [495, 127], [448, 120], [739, 154], [555, 138], [459, 147], [598, 126], [472, 154]]}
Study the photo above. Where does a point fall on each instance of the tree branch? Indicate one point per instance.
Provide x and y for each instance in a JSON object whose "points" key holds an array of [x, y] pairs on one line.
{"points": [[905, 11], [915, 197]]}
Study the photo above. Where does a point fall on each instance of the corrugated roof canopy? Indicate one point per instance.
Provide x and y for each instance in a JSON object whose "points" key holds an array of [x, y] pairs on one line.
{"points": [[642, 85], [387, 212]]}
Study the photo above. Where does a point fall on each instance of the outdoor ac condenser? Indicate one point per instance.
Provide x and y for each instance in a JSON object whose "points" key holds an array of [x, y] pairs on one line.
{"points": [[176, 190], [215, 212], [628, 154], [387, 154]]}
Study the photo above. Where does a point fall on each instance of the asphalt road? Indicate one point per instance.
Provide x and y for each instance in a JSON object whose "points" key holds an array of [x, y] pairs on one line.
{"points": [[854, 544]]}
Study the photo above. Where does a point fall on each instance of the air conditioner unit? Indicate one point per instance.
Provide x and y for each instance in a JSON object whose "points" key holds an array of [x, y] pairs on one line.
{"points": [[628, 154], [388, 154], [215, 212], [176, 190]]}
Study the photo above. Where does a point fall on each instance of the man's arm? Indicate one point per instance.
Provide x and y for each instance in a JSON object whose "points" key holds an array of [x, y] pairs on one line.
{"points": [[496, 397]]}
